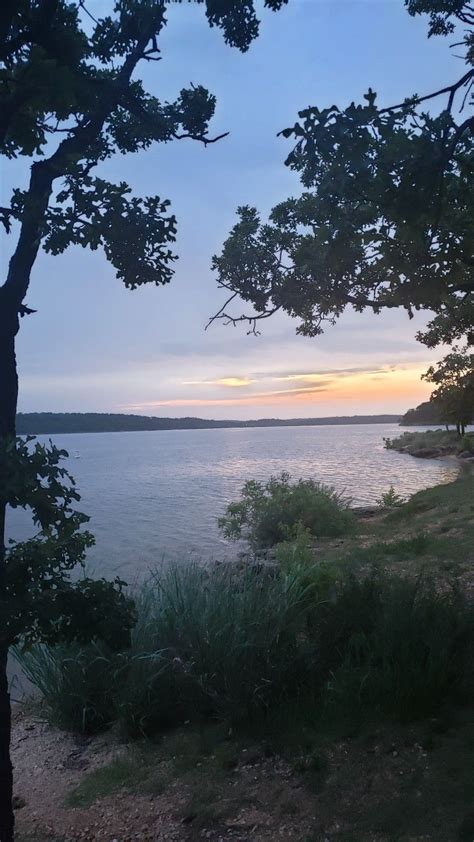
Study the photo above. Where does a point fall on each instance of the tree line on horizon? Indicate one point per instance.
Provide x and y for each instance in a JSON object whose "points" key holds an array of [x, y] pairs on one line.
{"points": [[38, 423]]}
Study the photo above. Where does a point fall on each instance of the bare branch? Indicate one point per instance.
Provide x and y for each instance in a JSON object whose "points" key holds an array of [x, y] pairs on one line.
{"points": [[201, 138], [450, 89]]}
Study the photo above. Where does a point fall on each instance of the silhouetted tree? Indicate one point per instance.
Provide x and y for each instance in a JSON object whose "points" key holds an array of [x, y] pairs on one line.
{"points": [[453, 377], [69, 98], [385, 219]]}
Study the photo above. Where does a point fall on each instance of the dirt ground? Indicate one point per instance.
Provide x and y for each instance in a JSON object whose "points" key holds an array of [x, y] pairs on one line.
{"points": [[397, 783]]}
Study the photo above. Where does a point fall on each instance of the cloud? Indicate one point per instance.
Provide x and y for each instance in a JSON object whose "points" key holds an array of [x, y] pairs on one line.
{"points": [[339, 386], [311, 376], [232, 382], [280, 395]]}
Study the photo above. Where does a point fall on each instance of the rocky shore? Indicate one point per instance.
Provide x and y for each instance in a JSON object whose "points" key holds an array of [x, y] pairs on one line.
{"points": [[433, 444]]}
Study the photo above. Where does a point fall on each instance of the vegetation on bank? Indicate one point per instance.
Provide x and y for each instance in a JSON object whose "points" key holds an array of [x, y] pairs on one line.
{"points": [[271, 512], [425, 414], [233, 644], [432, 443], [239, 647], [371, 630]]}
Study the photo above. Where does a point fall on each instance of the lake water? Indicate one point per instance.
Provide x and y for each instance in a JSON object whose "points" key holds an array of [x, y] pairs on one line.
{"points": [[157, 495]]}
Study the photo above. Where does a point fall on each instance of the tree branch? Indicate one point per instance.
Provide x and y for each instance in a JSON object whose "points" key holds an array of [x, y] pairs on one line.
{"points": [[450, 89]]}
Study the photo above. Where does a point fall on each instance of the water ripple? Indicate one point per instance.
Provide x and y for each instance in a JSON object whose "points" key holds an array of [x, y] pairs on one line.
{"points": [[152, 495]]}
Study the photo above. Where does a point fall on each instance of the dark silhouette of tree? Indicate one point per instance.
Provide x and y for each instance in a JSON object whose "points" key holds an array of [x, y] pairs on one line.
{"points": [[385, 218], [70, 99], [425, 414], [453, 377]]}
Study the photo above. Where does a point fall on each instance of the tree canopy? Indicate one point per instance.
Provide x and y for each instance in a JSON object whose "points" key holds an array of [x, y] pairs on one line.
{"points": [[68, 97], [453, 377], [70, 100], [385, 218]]}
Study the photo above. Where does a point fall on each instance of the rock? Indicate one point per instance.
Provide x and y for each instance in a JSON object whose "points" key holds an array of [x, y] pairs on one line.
{"points": [[428, 452], [18, 802], [366, 511], [265, 566], [465, 454]]}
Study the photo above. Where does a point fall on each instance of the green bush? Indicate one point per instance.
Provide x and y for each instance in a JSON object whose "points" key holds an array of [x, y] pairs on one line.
{"points": [[390, 499], [466, 442], [272, 512]]}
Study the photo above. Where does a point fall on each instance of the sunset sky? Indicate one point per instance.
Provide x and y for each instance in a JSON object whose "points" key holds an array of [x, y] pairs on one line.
{"points": [[94, 346]]}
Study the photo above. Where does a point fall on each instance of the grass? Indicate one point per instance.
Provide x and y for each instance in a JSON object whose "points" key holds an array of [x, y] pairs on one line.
{"points": [[357, 670], [431, 442], [399, 782], [202, 759], [76, 684], [432, 533], [377, 627]]}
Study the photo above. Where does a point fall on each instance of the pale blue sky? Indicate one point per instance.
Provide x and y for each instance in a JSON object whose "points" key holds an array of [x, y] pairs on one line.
{"points": [[95, 346]]}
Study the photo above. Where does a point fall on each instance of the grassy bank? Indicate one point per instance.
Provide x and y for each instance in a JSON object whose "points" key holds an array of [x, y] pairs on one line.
{"points": [[432, 443], [332, 694]]}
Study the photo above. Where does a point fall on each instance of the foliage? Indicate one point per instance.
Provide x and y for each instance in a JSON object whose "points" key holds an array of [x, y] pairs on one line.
{"points": [[77, 683], [384, 219], [427, 443], [68, 97], [42, 602], [218, 643], [466, 443], [454, 381], [205, 643], [48, 423], [425, 414], [271, 512], [296, 552], [391, 499], [232, 638], [406, 648]]}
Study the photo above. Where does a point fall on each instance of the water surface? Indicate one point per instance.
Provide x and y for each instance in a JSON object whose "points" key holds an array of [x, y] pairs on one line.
{"points": [[156, 495]]}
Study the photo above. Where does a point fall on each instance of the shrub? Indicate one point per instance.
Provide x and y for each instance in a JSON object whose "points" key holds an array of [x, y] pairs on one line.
{"points": [[391, 499], [466, 443], [272, 512]]}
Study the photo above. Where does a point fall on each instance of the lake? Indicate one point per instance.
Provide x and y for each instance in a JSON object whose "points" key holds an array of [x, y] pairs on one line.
{"points": [[156, 495]]}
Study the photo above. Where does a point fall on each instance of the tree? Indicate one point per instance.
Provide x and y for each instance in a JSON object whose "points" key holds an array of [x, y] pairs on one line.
{"points": [[42, 603], [453, 377], [385, 218], [69, 99], [425, 414]]}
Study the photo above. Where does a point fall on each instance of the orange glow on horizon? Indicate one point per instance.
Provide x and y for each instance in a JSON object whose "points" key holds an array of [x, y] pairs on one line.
{"points": [[383, 385]]}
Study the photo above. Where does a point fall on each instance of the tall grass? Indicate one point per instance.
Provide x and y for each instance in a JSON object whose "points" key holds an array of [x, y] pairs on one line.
{"points": [[402, 647], [213, 641], [77, 683], [219, 643]]}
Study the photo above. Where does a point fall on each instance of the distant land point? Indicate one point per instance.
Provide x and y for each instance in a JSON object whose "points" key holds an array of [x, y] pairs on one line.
{"points": [[44, 423]]}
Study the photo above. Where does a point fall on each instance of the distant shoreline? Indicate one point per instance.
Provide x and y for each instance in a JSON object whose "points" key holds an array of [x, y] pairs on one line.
{"points": [[50, 423]]}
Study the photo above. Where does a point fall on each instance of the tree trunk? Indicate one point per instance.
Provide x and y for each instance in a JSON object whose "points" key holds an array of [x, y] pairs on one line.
{"points": [[8, 403]]}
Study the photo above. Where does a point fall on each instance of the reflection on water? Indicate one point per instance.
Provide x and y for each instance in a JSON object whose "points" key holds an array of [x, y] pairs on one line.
{"points": [[157, 494]]}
